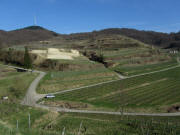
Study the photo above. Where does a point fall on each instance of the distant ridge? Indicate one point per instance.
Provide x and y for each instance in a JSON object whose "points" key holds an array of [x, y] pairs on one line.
{"points": [[163, 40], [25, 35], [38, 33]]}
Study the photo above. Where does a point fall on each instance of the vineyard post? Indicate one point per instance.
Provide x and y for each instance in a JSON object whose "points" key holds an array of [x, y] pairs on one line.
{"points": [[122, 104], [63, 132], [142, 129], [17, 125], [147, 131], [164, 130], [29, 118], [80, 128]]}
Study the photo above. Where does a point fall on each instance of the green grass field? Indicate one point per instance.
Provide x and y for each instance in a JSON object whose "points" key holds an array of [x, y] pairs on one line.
{"points": [[149, 93], [131, 61], [99, 124], [14, 85], [135, 55], [95, 124], [57, 81], [134, 70]]}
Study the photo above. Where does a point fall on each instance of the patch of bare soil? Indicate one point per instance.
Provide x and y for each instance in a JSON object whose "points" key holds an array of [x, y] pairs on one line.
{"points": [[68, 105], [4, 71], [173, 109], [54, 53]]}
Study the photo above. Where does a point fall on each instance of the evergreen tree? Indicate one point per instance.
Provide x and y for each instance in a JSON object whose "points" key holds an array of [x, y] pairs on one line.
{"points": [[27, 59]]}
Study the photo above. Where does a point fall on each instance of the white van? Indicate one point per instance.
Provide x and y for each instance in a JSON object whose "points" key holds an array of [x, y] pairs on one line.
{"points": [[49, 96]]}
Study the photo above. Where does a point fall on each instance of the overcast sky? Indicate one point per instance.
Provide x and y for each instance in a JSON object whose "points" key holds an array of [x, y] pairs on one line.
{"points": [[70, 16]]}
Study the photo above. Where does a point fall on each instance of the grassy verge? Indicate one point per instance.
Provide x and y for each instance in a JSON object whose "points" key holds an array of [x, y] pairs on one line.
{"points": [[96, 124], [14, 84]]}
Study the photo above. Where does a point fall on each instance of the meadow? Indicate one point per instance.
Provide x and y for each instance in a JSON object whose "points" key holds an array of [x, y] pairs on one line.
{"points": [[14, 84], [148, 93], [145, 68], [58, 81], [52, 123]]}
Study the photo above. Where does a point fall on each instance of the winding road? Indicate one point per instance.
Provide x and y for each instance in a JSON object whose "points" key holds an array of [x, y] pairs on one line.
{"points": [[32, 97]]}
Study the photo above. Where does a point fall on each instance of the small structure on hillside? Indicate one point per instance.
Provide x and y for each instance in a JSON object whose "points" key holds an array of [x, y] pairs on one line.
{"points": [[173, 51], [45, 42], [5, 98]]}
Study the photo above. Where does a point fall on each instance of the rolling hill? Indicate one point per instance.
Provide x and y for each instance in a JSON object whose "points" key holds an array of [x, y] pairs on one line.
{"points": [[25, 35], [37, 33], [163, 40]]}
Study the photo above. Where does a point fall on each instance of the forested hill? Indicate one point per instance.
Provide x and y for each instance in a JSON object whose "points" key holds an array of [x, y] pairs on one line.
{"points": [[25, 35], [163, 40], [37, 33]]}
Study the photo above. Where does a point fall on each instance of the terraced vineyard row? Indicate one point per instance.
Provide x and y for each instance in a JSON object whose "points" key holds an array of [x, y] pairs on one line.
{"points": [[56, 81], [158, 89], [151, 95], [112, 125], [134, 70]]}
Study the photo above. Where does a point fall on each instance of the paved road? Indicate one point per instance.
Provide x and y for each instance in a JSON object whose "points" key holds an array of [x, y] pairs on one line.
{"points": [[120, 76], [31, 98], [58, 109]]}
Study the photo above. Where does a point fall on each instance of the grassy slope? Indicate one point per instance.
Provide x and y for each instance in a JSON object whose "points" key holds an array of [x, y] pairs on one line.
{"points": [[56, 81], [111, 125], [122, 51], [14, 84], [106, 42], [123, 63], [153, 92], [140, 69], [131, 61], [49, 123], [97, 124]]}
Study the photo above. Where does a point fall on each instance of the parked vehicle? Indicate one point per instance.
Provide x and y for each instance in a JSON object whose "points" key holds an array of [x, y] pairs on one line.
{"points": [[49, 96]]}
